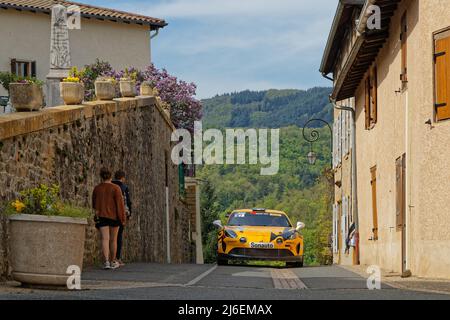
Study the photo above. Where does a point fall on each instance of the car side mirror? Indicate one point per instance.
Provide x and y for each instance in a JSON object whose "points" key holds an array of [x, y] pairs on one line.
{"points": [[300, 226], [218, 224]]}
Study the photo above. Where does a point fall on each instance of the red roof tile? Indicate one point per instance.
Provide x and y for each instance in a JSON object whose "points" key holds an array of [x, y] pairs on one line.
{"points": [[86, 11]]}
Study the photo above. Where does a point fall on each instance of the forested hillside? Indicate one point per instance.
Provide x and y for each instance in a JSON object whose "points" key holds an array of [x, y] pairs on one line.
{"points": [[302, 190], [267, 109]]}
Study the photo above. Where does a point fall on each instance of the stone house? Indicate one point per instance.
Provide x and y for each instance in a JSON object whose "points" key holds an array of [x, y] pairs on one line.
{"points": [[104, 33], [391, 164]]}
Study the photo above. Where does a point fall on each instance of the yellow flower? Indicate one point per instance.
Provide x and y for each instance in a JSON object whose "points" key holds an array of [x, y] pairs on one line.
{"points": [[71, 79], [18, 205]]}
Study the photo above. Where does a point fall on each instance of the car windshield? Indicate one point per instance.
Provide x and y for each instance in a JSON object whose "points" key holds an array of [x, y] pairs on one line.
{"points": [[260, 219]]}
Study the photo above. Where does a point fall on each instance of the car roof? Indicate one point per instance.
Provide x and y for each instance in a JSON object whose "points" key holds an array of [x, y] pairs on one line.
{"points": [[266, 210]]}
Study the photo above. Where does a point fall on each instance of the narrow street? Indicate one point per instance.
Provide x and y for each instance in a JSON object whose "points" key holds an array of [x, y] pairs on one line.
{"points": [[211, 282]]}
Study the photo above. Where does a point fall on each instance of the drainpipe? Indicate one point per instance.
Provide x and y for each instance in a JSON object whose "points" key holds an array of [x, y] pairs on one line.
{"points": [[168, 254], [327, 77], [408, 193], [152, 36]]}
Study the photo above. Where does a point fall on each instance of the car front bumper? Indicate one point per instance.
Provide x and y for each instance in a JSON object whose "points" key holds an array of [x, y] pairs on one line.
{"points": [[261, 255]]}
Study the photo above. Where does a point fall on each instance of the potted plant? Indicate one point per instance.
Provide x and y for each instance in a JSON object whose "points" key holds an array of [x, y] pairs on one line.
{"points": [[128, 84], [71, 88], [105, 88], [46, 237], [26, 94]]}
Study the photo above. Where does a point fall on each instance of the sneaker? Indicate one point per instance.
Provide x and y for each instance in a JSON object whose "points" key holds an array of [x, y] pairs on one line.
{"points": [[107, 266], [115, 265]]}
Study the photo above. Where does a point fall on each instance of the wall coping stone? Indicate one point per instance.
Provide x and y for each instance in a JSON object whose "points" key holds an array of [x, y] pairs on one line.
{"points": [[50, 219], [20, 123]]}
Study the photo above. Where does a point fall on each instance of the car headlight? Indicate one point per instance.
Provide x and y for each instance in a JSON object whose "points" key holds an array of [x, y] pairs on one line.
{"points": [[290, 235], [230, 233]]}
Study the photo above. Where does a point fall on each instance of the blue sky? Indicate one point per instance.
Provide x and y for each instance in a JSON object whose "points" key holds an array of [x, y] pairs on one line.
{"points": [[233, 45]]}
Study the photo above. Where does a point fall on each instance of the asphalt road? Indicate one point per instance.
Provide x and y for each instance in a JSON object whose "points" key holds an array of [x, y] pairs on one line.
{"points": [[210, 282]]}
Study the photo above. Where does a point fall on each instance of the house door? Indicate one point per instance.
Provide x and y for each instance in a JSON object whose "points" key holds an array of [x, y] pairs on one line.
{"points": [[401, 205]]}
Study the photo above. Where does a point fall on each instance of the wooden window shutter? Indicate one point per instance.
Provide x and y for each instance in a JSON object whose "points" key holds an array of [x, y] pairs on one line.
{"points": [[400, 191], [13, 66], [442, 72], [335, 236], [349, 131], [334, 144], [373, 95], [367, 102], [404, 48], [339, 143], [373, 182]]}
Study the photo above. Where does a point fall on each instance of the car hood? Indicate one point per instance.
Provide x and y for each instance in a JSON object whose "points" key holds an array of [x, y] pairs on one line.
{"points": [[259, 234]]}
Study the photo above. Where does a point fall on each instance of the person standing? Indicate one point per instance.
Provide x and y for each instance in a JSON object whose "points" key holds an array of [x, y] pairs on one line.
{"points": [[119, 179], [109, 207]]}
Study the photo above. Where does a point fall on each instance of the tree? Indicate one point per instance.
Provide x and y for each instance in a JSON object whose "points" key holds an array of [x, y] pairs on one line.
{"points": [[185, 109], [209, 213]]}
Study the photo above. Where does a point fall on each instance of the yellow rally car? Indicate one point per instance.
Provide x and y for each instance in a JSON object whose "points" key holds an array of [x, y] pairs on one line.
{"points": [[260, 234]]}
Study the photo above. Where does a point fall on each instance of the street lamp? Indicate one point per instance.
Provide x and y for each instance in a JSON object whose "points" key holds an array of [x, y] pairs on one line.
{"points": [[312, 157], [313, 136]]}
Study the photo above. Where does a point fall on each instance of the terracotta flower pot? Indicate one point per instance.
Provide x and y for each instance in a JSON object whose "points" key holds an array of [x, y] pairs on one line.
{"points": [[72, 93], [26, 96], [105, 90], [127, 88], [44, 247]]}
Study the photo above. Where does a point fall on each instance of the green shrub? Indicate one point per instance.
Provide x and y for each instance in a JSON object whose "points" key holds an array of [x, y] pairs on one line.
{"points": [[6, 78], [71, 211], [45, 200]]}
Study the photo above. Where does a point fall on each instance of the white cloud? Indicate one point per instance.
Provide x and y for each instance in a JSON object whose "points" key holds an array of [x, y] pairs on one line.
{"points": [[224, 8], [233, 45]]}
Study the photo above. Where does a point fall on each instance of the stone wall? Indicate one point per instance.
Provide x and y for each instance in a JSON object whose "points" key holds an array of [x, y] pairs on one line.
{"points": [[68, 146]]}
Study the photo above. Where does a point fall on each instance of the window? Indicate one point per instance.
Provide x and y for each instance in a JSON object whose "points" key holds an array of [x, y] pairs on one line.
{"points": [[337, 141], [371, 103], [23, 68], [404, 45], [400, 165], [442, 75], [373, 183]]}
